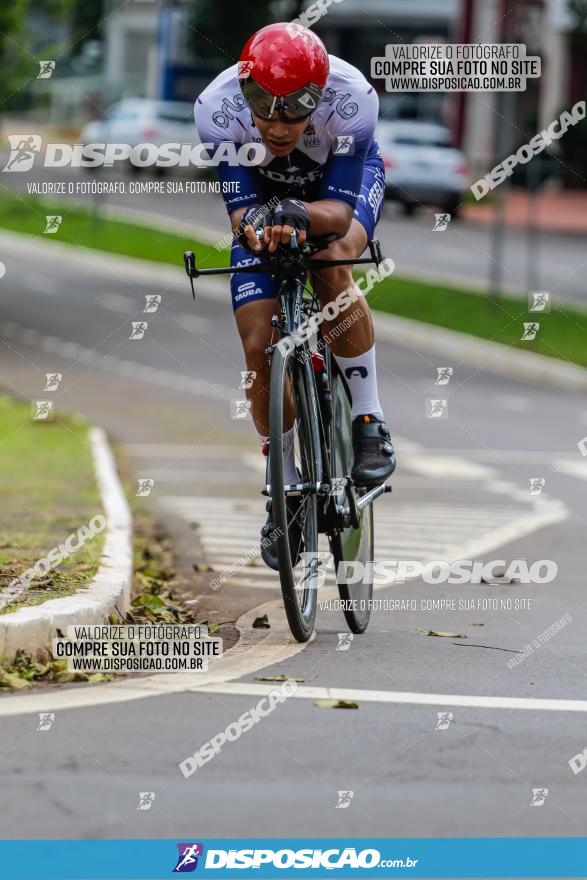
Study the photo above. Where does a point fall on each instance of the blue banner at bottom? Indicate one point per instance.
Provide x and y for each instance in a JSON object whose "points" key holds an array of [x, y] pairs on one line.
{"points": [[504, 857]]}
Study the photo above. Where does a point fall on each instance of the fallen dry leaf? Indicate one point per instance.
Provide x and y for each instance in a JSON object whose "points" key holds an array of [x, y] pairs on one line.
{"points": [[336, 704], [278, 678], [441, 633]]}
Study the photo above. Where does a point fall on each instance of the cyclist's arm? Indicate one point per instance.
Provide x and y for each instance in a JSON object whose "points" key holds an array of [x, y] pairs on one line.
{"points": [[238, 183], [329, 217], [343, 173]]}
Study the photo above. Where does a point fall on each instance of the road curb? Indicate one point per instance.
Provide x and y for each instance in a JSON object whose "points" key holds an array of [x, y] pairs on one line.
{"points": [[428, 338], [472, 351], [32, 629]]}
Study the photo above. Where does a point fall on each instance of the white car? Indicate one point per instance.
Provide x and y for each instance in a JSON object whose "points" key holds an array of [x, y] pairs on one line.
{"points": [[140, 120], [421, 165]]}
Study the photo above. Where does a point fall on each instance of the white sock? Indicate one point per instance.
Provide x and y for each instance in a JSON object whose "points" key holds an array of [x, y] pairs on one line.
{"points": [[361, 375], [290, 474]]}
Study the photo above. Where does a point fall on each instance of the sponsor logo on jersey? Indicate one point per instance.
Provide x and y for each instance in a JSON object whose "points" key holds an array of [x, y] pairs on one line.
{"points": [[244, 291], [311, 139]]}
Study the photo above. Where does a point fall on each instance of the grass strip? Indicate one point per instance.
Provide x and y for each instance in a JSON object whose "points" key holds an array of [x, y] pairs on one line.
{"points": [[561, 335]]}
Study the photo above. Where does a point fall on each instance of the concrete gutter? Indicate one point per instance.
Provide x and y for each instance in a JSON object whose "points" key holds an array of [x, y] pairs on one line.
{"points": [[466, 350], [32, 629]]}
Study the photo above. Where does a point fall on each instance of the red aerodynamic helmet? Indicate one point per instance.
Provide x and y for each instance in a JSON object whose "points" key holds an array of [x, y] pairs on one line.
{"points": [[284, 68]]}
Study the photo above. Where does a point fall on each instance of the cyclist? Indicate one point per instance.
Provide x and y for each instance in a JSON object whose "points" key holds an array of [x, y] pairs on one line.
{"points": [[322, 174]]}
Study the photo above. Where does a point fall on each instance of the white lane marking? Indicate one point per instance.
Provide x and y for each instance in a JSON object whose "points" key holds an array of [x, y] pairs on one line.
{"points": [[572, 468], [194, 322], [115, 364], [513, 403], [122, 305], [177, 450], [442, 466], [258, 649], [509, 456], [364, 696], [229, 531], [40, 284], [256, 461]]}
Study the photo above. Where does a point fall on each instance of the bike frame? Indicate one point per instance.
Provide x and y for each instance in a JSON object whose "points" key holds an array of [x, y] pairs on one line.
{"points": [[290, 266]]}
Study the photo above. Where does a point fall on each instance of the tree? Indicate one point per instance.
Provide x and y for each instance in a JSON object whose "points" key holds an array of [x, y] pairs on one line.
{"points": [[35, 30]]}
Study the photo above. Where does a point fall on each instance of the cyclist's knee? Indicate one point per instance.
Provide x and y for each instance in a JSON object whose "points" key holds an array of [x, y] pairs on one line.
{"points": [[254, 345], [329, 282]]}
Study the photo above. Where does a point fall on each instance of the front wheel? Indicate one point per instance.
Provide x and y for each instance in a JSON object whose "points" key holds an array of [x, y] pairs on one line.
{"points": [[292, 386]]}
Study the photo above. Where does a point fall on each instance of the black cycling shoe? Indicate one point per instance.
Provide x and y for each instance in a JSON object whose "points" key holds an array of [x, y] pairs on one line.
{"points": [[296, 541], [374, 458]]}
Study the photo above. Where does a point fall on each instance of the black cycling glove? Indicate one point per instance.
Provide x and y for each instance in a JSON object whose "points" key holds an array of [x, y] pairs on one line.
{"points": [[257, 216], [290, 212]]}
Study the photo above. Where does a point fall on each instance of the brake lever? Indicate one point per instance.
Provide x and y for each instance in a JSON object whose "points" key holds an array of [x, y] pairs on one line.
{"points": [[189, 259], [375, 250]]}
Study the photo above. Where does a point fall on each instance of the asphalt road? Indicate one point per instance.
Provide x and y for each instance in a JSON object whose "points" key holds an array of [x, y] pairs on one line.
{"points": [[463, 254], [461, 492]]}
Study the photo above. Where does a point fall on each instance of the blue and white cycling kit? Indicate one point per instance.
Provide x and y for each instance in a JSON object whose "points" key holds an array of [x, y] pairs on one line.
{"points": [[335, 158]]}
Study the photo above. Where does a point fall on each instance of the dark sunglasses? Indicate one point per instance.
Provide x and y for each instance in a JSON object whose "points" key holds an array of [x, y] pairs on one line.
{"points": [[299, 105]]}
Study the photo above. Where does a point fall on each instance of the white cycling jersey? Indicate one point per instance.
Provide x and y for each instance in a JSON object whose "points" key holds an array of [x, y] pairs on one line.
{"points": [[328, 160]]}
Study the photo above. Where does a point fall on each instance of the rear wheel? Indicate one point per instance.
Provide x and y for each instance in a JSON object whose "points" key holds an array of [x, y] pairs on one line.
{"points": [[291, 379], [355, 581]]}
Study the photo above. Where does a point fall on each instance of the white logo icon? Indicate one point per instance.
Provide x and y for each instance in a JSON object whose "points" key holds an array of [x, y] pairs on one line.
{"points": [[46, 68], [537, 484], [314, 568], [53, 380], [46, 719], [344, 799], [443, 375], [343, 145], [42, 410], [539, 795], [582, 446], [441, 222], [444, 719], [247, 379], [530, 330], [244, 69], [436, 409], [23, 150], [152, 302], [344, 641], [138, 329], [539, 301], [53, 223], [240, 409], [307, 100], [146, 799], [145, 487]]}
